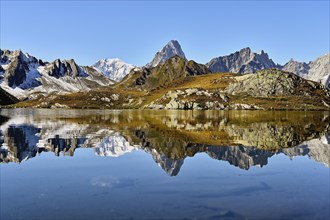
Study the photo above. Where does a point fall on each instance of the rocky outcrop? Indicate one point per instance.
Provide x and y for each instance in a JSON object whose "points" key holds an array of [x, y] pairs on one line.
{"points": [[266, 83], [191, 99], [243, 61], [171, 49]]}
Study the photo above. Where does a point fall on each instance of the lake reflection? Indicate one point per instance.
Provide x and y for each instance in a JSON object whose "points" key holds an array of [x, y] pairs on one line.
{"points": [[241, 138]]}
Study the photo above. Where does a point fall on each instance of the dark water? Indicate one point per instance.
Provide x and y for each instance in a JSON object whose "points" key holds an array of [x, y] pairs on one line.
{"points": [[83, 164]]}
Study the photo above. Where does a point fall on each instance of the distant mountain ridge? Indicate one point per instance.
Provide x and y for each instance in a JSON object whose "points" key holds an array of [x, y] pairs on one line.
{"points": [[243, 61], [299, 68], [114, 69], [25, 76], [320, 70]]}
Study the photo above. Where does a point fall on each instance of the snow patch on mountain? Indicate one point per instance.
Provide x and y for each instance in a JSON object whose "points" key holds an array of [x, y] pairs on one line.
{"points": [[114, 69], [24, 76]]}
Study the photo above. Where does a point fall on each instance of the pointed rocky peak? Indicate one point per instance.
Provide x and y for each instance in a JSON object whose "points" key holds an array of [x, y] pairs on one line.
{"points": [[60, 68], [246, 50], [114, 69], [19, 69], [171, 49], [274, 82], [261, 52], [8, 56]]}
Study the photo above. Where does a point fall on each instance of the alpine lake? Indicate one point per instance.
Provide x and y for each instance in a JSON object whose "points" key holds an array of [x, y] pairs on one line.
{"points": [[158, 164]]}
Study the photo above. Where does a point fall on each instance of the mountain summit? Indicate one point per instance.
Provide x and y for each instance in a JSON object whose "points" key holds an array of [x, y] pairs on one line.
{"points": [[317, 70], [243, 61], [171, 49], [320, 70], [114, 69]]}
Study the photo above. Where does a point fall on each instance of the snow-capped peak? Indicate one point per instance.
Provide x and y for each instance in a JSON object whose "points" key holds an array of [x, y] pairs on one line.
{"points": [[114, 68], [171, 49]]}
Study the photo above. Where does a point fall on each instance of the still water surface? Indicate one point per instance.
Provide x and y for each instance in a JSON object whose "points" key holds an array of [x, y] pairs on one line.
{"points": [[91, 164]]}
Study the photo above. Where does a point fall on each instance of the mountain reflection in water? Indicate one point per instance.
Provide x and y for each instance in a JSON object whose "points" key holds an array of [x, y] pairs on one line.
{"points": [[243, 138]]}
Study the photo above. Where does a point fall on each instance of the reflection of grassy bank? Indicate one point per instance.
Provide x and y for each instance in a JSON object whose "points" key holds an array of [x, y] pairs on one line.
{"points": [[263, 129], [242, 137]]}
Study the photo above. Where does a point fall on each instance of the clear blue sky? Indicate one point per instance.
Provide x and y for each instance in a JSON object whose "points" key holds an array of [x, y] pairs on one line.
{"points": [[135, 31]]}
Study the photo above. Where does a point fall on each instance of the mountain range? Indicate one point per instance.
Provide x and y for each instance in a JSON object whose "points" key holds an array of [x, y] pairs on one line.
{"points": [[24, 77]]}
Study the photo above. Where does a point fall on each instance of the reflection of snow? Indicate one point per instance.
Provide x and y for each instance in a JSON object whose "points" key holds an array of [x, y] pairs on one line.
{"points": [[55, 135], [114, 145]]}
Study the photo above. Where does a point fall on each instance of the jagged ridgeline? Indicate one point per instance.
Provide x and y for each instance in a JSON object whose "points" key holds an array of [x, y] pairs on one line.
{"points": [[25, 77], [243, 138], [241, 80]]}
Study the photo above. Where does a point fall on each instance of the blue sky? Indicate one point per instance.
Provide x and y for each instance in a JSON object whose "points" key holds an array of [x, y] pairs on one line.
{"points": [[135, 30]]}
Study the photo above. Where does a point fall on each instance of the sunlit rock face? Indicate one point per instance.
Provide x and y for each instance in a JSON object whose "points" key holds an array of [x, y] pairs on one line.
{"points": [[243, 61], [320, 70], [19, 69], [299, 68], [171, 49], [317, 70]]}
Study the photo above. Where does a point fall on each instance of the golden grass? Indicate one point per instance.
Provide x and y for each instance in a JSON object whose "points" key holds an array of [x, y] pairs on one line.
{"points": [[141, 97]]}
